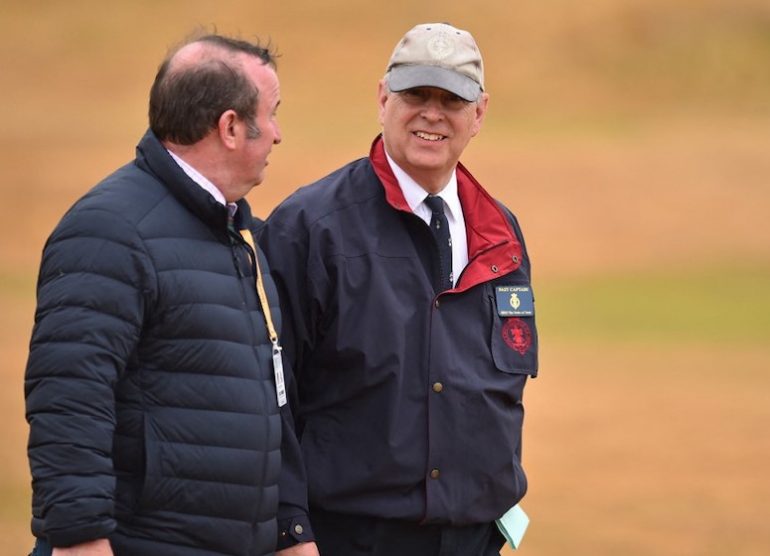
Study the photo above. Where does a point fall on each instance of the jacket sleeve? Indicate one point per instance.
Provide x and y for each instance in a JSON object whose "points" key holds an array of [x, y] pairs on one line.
{"points": [[293, 521], [297, 270], [91, 300], [286, 248]]}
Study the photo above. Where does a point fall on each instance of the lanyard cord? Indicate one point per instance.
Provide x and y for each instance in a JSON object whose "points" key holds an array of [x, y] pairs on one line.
{"points": [[246, 234]]}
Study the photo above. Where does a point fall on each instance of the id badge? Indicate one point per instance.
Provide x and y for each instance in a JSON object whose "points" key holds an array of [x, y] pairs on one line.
{"points": [[514, 301], [280, 386]]}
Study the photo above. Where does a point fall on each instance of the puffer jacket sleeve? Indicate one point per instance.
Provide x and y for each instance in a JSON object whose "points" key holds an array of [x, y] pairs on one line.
{"points": [[94, 286]]}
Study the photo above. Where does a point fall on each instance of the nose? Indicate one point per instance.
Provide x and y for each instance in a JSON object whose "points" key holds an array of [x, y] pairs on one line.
{"points": [[432, 110], [276, 133]]}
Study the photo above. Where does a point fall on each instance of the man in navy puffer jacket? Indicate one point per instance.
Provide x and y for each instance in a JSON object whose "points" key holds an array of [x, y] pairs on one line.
{"points": [[151, 389]]}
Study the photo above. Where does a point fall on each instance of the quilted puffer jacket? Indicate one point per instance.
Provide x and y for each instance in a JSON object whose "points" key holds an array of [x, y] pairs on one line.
{"points": [[149, 386]]}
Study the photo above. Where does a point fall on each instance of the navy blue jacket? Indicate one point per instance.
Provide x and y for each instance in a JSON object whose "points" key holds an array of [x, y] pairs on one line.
{"points": [[149, 387], [409, 402]]}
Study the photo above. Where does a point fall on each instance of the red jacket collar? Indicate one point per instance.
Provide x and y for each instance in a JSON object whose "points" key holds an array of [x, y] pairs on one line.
{"points": [[493, 249]]}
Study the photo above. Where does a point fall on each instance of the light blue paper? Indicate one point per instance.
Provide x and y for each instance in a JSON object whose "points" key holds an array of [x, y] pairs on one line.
{"points": [[513, 525]]}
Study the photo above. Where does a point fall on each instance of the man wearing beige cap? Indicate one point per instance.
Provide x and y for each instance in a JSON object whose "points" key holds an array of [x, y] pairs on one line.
{"points": [[409, 323]]}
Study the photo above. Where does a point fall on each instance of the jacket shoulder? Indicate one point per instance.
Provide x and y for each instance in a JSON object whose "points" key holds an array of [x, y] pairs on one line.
{"points": [[129, 193], [351, 184]]}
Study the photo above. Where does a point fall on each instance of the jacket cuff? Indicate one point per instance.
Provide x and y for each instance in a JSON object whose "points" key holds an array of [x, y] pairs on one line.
{"points": [[73, 536], [294, 530]]}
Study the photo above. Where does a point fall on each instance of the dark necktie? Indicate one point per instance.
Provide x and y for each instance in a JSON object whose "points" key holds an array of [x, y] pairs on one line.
{"points": [[440, 228], [231, 221]]}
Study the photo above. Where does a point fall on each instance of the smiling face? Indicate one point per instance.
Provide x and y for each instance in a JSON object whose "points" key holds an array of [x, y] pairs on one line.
{"points": [[426, 129]]}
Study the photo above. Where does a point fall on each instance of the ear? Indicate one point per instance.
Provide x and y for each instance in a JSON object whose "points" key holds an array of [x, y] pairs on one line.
{"points": [[382, 97], [227, 128], [481, 110]]}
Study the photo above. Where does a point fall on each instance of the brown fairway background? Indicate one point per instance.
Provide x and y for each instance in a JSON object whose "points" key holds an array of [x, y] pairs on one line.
{"points": [[631, 137]]}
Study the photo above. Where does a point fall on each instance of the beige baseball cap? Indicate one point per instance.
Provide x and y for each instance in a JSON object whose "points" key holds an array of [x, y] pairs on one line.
{"points": [[437, 55]]}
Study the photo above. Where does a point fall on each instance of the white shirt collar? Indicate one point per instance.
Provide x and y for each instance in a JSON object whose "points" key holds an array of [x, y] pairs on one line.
{"points": [[201, 180], [415, 195]]}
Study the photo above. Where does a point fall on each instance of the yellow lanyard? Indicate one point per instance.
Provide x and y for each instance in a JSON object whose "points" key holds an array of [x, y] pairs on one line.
{"points": [[246, 234], [280, 386]]}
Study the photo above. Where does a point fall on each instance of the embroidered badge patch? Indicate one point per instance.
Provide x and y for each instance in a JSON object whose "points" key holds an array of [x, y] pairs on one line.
{"points": [[517, 335], [514, 301]]}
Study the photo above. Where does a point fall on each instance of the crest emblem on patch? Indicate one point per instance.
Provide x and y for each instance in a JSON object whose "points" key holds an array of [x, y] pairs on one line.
{"points": [[515, 301], [517, 335]]}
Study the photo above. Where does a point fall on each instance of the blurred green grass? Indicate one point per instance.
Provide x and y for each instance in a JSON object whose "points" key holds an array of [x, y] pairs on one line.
{"points": [[725, 305]]}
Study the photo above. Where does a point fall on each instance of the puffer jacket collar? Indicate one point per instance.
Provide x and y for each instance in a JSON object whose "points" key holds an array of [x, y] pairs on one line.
{"points": [[152, 157]]}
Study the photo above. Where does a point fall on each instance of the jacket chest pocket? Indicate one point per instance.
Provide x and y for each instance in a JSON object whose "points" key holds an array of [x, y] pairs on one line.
{"points": [[513, 338]]}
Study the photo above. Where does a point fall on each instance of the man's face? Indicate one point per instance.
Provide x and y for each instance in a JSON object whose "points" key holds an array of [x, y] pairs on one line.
{"points": [[251, 158], [426, 129]]}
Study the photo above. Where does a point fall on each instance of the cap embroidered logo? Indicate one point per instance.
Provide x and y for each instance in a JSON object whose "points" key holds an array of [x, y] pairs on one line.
{"points": [[440, 47]]}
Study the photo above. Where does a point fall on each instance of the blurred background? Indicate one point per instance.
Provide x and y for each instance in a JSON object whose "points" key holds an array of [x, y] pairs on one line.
{"points": [[631, 138]]}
